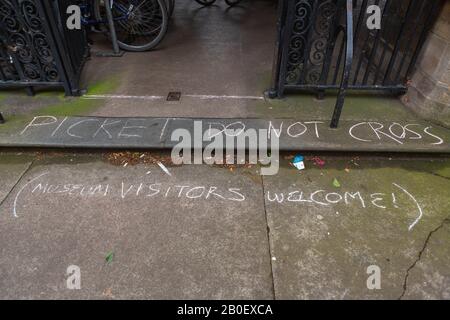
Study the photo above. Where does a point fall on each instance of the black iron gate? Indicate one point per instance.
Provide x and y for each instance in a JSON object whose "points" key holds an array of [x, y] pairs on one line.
{"points": [[36, 48], [327, 44]]}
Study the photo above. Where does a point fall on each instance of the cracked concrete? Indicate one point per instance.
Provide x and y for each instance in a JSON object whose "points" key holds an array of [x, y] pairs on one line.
{"points": [[170, 239], [419, 288], [12, 169], [179, 244], [310, 244], [323, 250], [268, 236], [405, 285]]}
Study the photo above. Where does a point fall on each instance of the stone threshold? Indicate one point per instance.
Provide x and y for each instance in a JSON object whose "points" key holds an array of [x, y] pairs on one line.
{"points": [[293, 134]]}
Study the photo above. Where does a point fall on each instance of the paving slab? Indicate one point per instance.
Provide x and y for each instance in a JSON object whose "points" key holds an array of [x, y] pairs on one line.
{"points": [[200, 233], [326, 235], [12, 168], [429, 276], [293, 134]]}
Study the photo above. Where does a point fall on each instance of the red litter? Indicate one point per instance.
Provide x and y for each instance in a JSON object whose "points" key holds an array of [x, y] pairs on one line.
{"points": [[318, 162]]}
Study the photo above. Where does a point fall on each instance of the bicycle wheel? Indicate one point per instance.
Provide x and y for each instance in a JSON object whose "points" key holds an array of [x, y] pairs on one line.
{"points": [[140, 24], [206, 2], [232, 2], [170, 5]]}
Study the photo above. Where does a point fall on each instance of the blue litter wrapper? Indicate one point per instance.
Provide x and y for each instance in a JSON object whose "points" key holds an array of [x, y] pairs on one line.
{"points": [[298, 158], [298, 162]]}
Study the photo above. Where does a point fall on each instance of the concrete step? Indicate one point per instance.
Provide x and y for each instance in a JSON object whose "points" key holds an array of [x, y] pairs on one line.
{"points": [[293, 134]]}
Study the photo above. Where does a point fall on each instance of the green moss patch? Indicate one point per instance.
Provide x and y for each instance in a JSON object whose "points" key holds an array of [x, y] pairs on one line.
{"points": [[66, 106]]}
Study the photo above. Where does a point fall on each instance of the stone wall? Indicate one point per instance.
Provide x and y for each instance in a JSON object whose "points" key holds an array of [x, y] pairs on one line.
{"points": [[429, 94]]}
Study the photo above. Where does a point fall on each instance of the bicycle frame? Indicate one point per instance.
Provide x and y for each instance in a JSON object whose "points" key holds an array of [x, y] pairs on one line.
{"points": [[86, 12]]}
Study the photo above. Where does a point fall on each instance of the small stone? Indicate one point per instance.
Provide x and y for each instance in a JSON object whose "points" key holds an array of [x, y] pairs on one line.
{"points": [[319, 217]]}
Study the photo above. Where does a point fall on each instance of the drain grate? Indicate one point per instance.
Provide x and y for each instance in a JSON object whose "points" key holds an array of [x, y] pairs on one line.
{"points": [[174, 96]]}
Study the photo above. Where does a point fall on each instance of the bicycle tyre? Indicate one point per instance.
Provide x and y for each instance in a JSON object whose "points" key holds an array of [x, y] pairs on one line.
{"points": [[205, 2], [170, 5], [232, 2], [141, 47]]}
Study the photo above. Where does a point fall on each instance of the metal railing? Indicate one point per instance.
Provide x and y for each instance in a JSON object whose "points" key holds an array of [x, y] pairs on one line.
{"points": [[326, 44], [36, 49]]}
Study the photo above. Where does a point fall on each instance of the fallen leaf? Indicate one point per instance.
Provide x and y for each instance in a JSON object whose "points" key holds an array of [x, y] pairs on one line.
{"points": [[336, 183], [109, 257]]}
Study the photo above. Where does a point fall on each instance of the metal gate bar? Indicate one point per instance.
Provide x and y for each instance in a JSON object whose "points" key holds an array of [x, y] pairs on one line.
{"points": [[320, 48], [347, 66]]}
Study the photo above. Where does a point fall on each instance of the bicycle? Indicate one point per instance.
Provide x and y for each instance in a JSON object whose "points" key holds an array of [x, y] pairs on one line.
{"points": [[140, 24], [170, 5], [210, 2]]}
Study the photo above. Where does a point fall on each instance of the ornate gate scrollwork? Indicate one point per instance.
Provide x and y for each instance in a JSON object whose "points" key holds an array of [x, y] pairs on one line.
{"points": [[309, 39], [326, 44], [29, 54]]}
